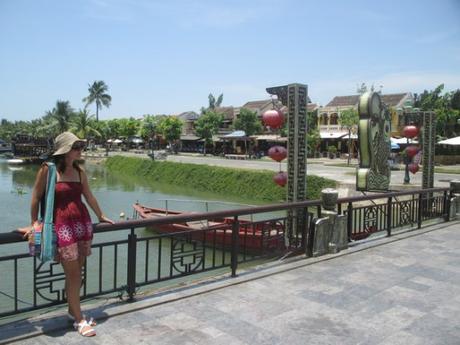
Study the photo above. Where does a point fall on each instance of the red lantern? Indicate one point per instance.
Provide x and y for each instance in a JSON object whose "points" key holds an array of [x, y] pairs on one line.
{"points": [[273, 118], [410, 131], [280, 178], [277, 153], [413, 168], [411, 151]]}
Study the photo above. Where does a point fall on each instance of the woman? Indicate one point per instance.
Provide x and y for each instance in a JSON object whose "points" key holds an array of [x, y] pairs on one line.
{"points": [[72, 221]]}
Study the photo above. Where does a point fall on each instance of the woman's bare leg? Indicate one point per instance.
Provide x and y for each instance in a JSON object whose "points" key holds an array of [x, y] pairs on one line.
{"points": [[72, 272]]}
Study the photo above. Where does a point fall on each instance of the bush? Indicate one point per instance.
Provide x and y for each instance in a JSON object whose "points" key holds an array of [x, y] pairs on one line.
{"points": [[241, 183]]}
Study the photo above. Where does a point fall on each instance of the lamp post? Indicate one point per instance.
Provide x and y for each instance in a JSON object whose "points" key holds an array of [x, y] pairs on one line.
{"points": [[407, 160], [409, 132]]}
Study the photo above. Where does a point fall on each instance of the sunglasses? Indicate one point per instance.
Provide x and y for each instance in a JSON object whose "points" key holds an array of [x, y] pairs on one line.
{"points": [[78, 146]]}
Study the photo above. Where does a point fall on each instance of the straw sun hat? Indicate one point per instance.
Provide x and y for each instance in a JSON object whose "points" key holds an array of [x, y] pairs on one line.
{"points": [[64, 142]]}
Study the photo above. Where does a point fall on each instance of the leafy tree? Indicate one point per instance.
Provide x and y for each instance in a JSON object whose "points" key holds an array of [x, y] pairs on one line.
{"points": [[363, 88], [60, 117], [455, 101], [104, 130], [128, 127], [312, 119], [447, 116], [7, 130], [248, 122], [215, 103], [149, 126], [313, 141], [207, 125], [83, 124], [170, 128], [349, 120], [98, 94], [114, 128]]}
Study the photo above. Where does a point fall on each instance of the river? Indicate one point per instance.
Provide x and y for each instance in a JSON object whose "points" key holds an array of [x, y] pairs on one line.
{"points": [[115, 194]]}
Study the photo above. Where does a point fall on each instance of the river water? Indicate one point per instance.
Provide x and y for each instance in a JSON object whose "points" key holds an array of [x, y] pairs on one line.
{"points": [[115, 194]]}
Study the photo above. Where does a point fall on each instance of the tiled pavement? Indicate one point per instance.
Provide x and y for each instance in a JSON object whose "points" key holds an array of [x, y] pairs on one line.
{"points": [[406, 291]]}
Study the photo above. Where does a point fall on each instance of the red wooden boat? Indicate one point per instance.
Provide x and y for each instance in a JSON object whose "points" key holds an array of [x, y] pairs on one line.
{"points": [[252, 235]]}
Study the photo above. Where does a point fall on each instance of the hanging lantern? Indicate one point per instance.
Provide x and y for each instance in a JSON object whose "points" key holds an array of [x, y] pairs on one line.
{"points": [[280, 178], [411, 151], [273, 118], [277, 153], [410, 131], [413, 168]]}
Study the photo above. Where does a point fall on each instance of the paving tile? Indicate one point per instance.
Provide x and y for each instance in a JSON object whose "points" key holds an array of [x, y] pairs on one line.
{"points": [[404, 292]]}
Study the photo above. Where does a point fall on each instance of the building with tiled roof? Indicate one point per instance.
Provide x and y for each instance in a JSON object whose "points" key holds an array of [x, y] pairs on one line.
{"points": [[188, 118], [329, 116]]}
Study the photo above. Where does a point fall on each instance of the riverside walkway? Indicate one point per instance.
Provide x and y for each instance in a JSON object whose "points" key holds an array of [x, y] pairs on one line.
{"points": [[399, 290]]}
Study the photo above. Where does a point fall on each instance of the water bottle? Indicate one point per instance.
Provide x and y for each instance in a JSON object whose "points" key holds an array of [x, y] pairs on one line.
{"points": [[37, 243], [37, 238], [31, 239]]}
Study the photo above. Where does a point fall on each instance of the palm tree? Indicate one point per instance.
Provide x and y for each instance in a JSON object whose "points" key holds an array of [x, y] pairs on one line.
{"points": [[98, 95], [83, 125], [213, 103], [62, 115]]}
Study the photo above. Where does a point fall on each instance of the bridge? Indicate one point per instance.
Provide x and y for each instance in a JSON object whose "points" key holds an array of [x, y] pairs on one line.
{"points": [[399, 285]]}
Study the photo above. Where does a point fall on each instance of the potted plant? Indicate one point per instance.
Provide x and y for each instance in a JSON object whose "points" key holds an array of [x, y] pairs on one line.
{"points": [[332, 151]]}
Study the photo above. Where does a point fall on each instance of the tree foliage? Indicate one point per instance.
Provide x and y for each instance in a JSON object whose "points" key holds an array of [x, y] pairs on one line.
{"points": [[170, 127], [207, 125], [59, 119], [349, 120], [98, 94], [446, 107], [313, 141], [213, 102], [362, 89], [83, 125], [248, 122], [149, 126]]}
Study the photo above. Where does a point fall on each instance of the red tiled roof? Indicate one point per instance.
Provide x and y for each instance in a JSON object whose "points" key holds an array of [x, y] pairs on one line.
{"points": [[393, 99], [256, 104], [343, 101]]}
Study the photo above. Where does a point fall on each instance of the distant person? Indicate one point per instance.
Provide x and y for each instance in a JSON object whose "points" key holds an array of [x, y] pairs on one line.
{"points": [[72, 221]]}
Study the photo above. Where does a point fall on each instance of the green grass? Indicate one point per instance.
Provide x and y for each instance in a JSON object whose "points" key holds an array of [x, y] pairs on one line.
{"points": [[447, 170], [241, 183], [340, 165]]}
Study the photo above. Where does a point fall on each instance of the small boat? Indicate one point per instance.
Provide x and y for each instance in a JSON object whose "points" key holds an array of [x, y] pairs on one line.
{"points": [[253, 236], [15, 161]]}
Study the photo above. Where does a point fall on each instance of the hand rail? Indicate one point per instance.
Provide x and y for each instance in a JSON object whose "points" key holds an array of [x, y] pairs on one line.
{"points": [[140, 223]]}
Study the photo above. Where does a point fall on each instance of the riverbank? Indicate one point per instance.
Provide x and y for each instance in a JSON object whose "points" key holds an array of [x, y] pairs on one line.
{"points": [[243, 183]]}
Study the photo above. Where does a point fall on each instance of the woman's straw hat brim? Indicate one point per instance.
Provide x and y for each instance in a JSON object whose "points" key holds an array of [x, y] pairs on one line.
{"points": [[64, 142]]}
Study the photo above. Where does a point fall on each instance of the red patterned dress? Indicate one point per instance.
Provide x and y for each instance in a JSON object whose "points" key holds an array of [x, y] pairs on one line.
{"points": [[73, 227]]}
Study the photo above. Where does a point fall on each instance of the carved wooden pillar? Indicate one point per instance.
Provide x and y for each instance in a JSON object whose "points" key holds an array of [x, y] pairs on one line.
{"points": [[295, 96]]}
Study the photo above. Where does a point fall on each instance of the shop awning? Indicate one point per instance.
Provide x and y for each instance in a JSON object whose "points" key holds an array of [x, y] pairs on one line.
{"points": [[353, 136], [270, 137], [403, 141], [189, 137], [235, 135], [332, 135], [452, 141]]}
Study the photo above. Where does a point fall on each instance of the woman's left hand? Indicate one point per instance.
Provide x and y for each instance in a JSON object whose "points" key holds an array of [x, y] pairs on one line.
{"points": [[26, 231], [104, 219]]}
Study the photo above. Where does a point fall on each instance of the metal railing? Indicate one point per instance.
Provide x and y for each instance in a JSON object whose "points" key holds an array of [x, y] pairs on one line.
{"points": [[124, 259]]}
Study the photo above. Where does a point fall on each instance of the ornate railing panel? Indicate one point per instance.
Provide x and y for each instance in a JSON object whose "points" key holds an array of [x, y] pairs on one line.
{"points": [[122, 261]]}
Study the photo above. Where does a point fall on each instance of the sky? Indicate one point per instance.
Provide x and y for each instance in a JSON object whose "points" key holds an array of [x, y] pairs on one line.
{"points": [[165, 57]]}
